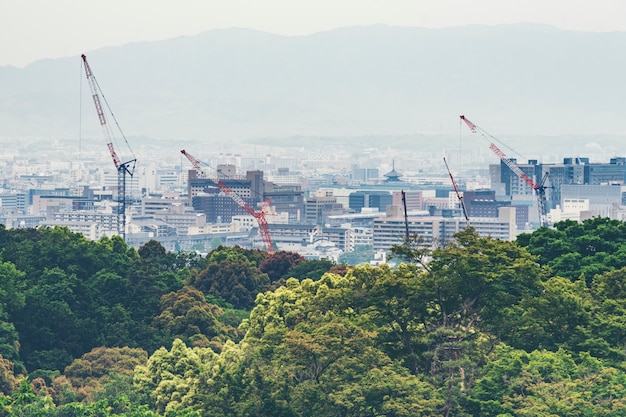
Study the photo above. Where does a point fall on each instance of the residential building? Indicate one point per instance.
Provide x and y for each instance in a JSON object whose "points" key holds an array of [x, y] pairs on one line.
{"points": [[317, 209], [414, 199], [437, 230]]}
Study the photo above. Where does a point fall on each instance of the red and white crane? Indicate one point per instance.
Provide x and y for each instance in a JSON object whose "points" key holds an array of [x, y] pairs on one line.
{"points": [[258, 215], [539, 187], [123, 168], [456, 190]]}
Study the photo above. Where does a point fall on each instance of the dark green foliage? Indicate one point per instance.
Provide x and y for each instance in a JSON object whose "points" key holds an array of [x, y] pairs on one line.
{"points": [[313, 269], [277, 266], [69, 294], [235, 281], [592, 247], [222, 253], [481, 327]]}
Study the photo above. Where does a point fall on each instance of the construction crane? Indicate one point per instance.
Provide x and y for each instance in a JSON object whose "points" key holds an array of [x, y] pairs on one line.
{"points": [[458, 193], [124, 169], [538, 187], [406, 219], [258, 215]]}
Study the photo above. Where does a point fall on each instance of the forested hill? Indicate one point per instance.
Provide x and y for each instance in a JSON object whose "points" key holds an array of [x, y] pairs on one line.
{"points": [[484, 328]]}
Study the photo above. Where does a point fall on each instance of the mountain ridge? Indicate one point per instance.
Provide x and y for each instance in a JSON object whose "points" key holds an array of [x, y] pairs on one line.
{"points": [[238, 84]]}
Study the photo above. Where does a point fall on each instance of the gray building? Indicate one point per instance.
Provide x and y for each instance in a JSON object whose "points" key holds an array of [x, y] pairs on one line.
{"points": [[370, 199], [572, 171]]}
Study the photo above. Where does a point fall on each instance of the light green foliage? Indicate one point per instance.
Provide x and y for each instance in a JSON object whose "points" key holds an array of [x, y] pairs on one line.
{"points": [[170, 378], [481, 327], [548, 383], [312, 356], [222, 253]]}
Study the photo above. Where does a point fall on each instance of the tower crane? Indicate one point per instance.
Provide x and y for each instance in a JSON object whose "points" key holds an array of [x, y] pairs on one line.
{"points": [[123, 168], [458, 193], [258, 215], [538, 187]]}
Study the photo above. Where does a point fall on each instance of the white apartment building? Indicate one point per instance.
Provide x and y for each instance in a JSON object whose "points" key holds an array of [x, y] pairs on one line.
{"points": [[437, 230], [91, 230]]}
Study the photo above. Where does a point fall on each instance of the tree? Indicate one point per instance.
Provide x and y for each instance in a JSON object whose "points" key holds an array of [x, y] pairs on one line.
{"points": [[8, 380], [186, 315], [515, 382], [485, 276], [469, 291], [169, 379], [570, 249], [313, 269], [51, 332], [361, 254], [313, 356], [221, 253], [153, 250], [277, 266], [148, 281], [91, 372], [12, 300], [555, 317], [236, 281]]}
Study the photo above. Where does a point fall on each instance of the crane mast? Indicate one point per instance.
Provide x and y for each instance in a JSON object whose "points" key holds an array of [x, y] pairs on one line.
{"points": [[258, 215], [123, 168], [539, 188], [406, 218]]}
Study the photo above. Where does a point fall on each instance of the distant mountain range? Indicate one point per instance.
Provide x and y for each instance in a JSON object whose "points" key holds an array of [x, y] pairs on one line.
{"points": [[237, 84]]}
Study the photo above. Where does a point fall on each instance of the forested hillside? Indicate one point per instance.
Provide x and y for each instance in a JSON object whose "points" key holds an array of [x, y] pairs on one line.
{"points": [[481, 327]]}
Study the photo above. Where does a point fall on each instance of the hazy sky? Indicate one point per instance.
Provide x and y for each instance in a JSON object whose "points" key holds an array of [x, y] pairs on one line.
{"points": [[36, 29]]}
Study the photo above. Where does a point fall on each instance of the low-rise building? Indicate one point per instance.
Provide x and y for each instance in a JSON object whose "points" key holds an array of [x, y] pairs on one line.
{"points": [[437, 230]]}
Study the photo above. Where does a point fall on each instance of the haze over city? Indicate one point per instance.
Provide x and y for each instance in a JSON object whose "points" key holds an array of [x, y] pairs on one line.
{"points": [[38, 29], [316, 92], [312, 208]]}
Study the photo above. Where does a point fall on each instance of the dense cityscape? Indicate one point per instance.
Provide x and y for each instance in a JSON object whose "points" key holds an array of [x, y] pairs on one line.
{"points": [[318, 205], [307, 224]]}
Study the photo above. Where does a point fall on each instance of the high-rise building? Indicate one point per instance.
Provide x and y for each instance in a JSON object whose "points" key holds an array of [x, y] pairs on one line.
{"points": [[219, 208], [288, 199]]}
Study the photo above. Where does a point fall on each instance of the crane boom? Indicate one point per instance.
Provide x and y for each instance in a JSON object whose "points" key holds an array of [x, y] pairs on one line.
{"points": [[539, 188], [258, 215], [123, 168], [93, 85], [456, 190]]}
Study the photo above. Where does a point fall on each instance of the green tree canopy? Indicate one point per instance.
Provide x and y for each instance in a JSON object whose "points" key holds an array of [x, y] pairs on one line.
{"points": [[277, 266], [236, 281]]}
